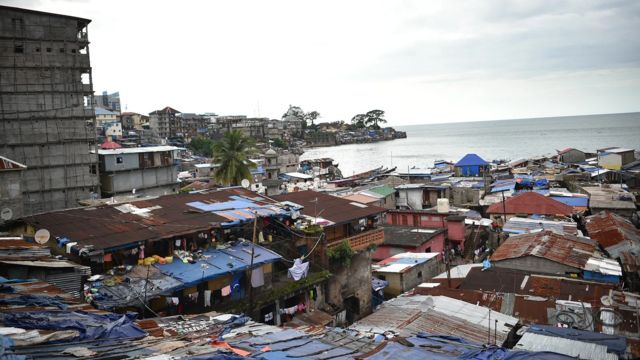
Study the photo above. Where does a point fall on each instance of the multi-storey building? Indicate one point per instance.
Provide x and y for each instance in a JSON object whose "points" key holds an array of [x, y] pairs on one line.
{"points": [[164, 122], [108, 101], [142, 170], [47, 120]]}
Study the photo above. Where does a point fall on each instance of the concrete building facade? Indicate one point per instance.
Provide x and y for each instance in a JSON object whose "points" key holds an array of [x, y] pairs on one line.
{"points": [[47, 120], [148, 170]]}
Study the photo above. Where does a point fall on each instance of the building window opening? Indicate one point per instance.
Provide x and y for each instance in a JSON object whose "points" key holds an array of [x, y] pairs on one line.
{"points": [[48, 50], [119, 160], [73, 51], [37, 49], [18, 49], [62, 50]]}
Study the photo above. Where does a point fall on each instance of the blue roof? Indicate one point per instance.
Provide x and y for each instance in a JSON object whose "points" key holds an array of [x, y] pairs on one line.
{"points": [[101, 111], [217, 263], [471, 160], [242, 252], [572, 201]]}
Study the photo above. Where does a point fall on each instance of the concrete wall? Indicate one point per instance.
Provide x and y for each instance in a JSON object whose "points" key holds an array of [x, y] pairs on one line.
{"points": [[405, 281], [139, 179], [110, 162], [352, 281], [535, 264], [610, 161], [11, 202], [45, 81]]}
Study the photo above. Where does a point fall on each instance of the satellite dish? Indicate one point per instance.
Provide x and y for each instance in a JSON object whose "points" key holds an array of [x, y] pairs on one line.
{"points": [[245, 183], [42, 236], [6, 214]]}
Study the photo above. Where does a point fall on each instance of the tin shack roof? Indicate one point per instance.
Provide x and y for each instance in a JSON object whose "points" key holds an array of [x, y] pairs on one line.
{"points": [[530, 203], [565, 249], [332, 208], [121, 225], [613, 232]]}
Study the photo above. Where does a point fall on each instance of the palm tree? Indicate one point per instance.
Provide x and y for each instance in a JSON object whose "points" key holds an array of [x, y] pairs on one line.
{"points": [[374, 117], [231, 153]]}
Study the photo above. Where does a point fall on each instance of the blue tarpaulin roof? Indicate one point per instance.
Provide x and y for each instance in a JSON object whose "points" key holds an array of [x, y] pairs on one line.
{"points": [[572, 201], [471, 160], [217, 263], [242, 252], [614, 343]]}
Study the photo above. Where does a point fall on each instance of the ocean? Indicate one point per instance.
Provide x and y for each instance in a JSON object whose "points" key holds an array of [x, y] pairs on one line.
{"points": [[492, 140]]}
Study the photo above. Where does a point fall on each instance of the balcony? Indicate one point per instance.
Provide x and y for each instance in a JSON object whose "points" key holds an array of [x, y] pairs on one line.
{"points": [[362, 240]]}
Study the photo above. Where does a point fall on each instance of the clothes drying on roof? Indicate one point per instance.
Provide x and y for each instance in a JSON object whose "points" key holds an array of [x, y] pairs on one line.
{"points": [[299, 270]]}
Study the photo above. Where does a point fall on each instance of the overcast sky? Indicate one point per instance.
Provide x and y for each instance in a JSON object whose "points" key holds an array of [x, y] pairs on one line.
{"points": [[420, 61]]}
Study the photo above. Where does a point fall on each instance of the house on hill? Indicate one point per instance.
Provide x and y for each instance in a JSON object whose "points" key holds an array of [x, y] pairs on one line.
{"points": [[471, 165]]}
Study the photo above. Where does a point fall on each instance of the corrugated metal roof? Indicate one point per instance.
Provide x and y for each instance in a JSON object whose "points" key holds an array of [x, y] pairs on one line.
{"points": [[136, 150], [471, 160], [106, 227], [518, 225], [333, 208], [562, 248], [613, 232], [530, 203], [580, 349]]}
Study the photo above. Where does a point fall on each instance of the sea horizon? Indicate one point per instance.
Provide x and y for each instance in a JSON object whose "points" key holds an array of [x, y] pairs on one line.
{"points": [[506, 139]]}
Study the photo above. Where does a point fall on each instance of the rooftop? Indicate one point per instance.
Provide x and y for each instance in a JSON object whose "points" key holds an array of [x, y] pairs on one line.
{"points": [[8, 164], [565, 249], [613, 232], [530, 203], [408, 236], [402, 262], [136, 150], [332, 208], [471, 160]]}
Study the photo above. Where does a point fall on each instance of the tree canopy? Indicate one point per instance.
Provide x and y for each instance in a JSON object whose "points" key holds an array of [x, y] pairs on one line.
{"points": [[201, 146], [375, 117], [231, 153]]}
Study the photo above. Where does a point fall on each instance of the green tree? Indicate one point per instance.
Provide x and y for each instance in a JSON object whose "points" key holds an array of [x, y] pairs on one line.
{"points": [[294, 112], [375, 117], [279, 143], [359, 120], [232, 154], [201, 146], [312, 116]]}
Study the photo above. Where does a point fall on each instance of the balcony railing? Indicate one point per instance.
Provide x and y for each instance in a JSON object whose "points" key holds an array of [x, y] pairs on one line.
{"points": [[363, 240]]}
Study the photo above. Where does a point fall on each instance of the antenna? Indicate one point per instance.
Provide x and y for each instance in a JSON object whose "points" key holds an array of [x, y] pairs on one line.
{"points": [[245, 183], [42, 236]]}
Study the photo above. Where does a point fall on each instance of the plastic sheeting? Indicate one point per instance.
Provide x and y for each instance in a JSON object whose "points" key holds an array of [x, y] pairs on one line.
{"points": [[35, 300], [90, 326], [299, 270], [615, 344]]}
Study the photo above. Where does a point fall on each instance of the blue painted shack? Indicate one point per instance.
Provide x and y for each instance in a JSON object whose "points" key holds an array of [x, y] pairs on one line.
{"points": [[471, 165]]}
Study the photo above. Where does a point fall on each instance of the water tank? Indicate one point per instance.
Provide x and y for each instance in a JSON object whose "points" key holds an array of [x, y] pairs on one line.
{"points": [[443, 206]]}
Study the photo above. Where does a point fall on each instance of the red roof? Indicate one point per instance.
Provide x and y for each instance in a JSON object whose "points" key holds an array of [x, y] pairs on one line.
{"points": [[531, 203], [610, 229], [565, 249], [110, 145], [8, 164], [561, 152]]}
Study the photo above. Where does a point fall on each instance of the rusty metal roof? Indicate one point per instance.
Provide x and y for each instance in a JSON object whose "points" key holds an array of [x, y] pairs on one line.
{"points": [[335, 209], [530, 203], [106, 226], [565, 249], [610, 229]]}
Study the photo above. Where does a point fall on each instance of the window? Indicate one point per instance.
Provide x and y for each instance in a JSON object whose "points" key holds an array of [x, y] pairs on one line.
{"points": [[420, 274], [73, 51], [48, 50], [61, 50], [382, 277], [119, 160], [37, 49], [18, 49]]}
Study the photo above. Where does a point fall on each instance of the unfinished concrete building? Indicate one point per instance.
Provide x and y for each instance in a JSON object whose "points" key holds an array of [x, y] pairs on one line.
{"points": [[47, 120]]}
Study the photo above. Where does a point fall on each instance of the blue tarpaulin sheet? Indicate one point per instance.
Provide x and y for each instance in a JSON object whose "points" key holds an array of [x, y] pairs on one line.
{"points": [[35, 300], [572, 201], [90, 326], [615, 344], [217, 264], [242, 252]]}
